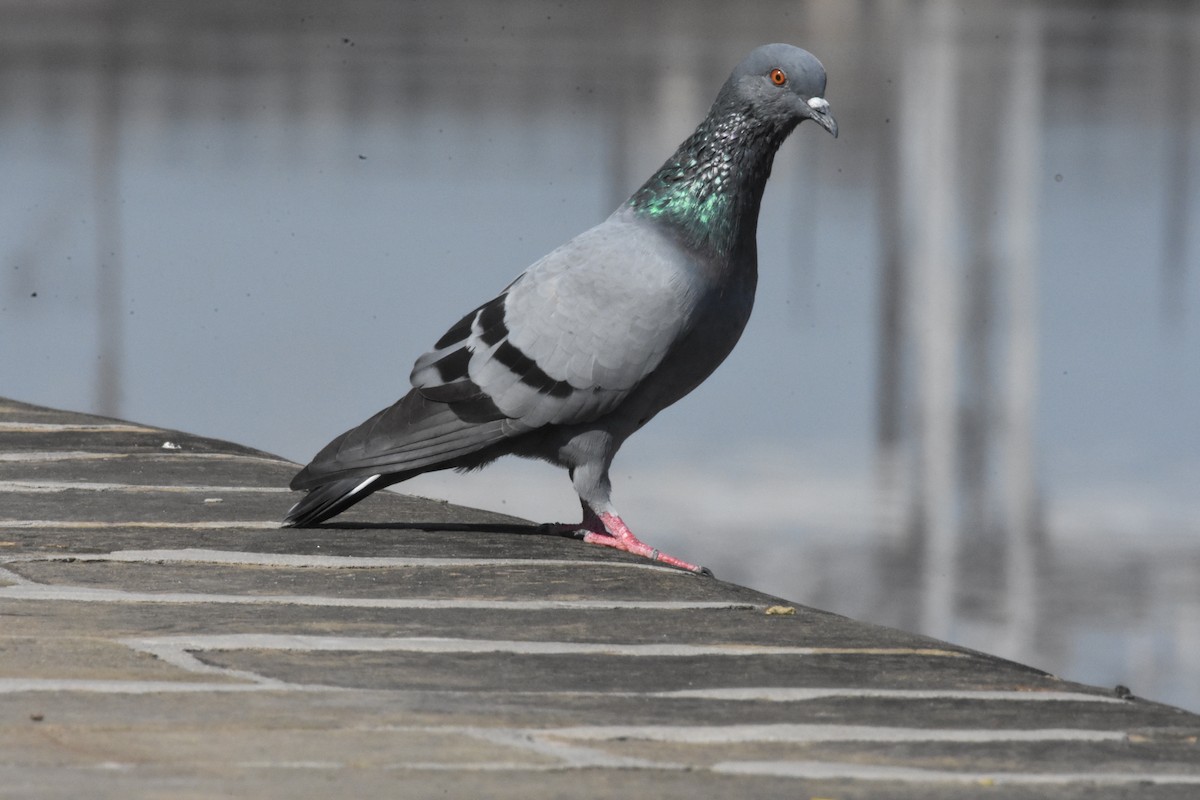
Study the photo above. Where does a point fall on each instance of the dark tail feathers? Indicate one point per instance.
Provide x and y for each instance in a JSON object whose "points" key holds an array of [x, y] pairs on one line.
{"points": [[329, 499]]}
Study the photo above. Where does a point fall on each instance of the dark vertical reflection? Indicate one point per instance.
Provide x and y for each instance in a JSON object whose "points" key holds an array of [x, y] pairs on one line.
{"points": [[889, 364], [1177, 207], [1020, 532], [981, 120], [898, 556], [106, 153]]}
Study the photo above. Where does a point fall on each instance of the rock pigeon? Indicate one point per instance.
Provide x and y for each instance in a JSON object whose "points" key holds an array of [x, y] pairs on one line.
{"points": [[594, 339]]}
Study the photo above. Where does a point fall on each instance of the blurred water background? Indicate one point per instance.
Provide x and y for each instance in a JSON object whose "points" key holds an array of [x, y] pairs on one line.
{"points": [[967, 403]]}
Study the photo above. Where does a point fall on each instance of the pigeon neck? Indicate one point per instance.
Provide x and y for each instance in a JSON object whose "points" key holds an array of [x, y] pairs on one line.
{"points": [[711, 189]]}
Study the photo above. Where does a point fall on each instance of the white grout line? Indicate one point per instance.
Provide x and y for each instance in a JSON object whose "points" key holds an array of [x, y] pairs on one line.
{"points": [[179, 650], [28, 590], [440, 645], [809, 770], [44, 456], [824, 770], [52, 427], [19, 685], [89, 524], [51, 456], [13, 685], [787, 694], [196, 555], [534, 740], [789, 733], [569, 755], [54, 487], [586, 758], [13, 578], [304, 765], [492, 766], [180, 657]]}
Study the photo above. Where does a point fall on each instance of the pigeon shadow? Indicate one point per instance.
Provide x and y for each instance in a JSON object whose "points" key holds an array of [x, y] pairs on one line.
{"points": [[531, 529]]}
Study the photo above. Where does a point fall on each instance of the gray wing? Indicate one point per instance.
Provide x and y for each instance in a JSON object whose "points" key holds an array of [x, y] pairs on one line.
{"points": [[568, 340]]}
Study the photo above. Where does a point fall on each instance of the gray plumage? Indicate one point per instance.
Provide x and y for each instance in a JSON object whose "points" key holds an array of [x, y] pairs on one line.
{"points": [[597, 337]]}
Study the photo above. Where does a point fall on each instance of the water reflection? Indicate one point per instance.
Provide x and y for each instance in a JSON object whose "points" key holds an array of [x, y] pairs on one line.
{"points": [[965, 404]]}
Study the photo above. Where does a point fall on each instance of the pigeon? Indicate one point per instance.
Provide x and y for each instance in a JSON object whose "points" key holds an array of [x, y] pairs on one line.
{"points": [[594, 339]]}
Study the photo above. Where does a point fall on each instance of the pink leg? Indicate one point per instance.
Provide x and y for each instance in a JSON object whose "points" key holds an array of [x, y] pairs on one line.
{"points": [[611, 531]]}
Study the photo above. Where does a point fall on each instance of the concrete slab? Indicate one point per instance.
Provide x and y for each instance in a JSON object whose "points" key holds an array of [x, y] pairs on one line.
{"points": [[161, 636]]}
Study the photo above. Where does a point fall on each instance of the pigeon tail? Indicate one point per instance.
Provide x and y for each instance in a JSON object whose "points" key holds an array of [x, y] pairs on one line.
{"points": [[329, 500], [414, 435], [402, 441]]}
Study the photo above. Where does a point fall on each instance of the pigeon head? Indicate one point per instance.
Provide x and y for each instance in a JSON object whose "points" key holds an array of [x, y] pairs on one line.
{"points": [[709, 192], [783, 84]]}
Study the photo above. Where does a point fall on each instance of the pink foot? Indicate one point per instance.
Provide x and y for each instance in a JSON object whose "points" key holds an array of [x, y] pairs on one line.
{"points": [[609, 530]]}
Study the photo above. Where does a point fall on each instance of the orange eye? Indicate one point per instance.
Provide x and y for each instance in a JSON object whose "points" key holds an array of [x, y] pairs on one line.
{"points": [[778, 78]]}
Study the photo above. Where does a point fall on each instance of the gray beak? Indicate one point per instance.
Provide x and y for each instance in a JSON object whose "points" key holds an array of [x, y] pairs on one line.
{"points": [[818, 112]]}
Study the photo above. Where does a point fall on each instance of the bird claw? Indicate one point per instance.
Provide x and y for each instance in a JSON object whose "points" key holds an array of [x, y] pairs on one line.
{"points": [[609, 530], [618, 536]]}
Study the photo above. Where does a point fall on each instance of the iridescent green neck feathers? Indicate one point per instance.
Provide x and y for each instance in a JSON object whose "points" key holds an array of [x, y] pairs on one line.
{"points": [[709, 191]]}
